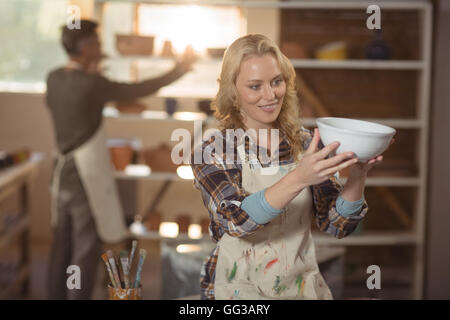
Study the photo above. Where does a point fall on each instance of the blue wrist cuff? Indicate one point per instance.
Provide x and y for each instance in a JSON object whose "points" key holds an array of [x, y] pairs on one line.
{"points": [[258, 208], [348, 208]]}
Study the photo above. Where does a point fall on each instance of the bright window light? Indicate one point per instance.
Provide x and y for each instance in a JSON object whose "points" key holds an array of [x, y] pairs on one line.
{"points": [[189, 116], [188, 248], [199, 26], [168, 229], [185, 172], [195, 231], [140, 170]]}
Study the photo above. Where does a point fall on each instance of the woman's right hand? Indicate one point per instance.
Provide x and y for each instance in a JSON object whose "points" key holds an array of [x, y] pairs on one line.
{"points": [[314, 168]]}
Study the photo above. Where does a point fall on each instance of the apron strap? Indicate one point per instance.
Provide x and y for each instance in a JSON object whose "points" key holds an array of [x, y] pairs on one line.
{"points": [[253, 161], [241, 153]]}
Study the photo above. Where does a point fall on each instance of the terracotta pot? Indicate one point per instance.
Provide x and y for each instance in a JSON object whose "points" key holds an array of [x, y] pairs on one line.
{"points": [[130, 106], [159, 159], [293, 50], [152, 221], [121, 156], [167, 50], [183, 220]]}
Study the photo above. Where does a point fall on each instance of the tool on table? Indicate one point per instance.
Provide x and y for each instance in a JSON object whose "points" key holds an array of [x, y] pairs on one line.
{"points": [[142, 255], [108, 267], [125, 267], [114, 268], [133, 249]]}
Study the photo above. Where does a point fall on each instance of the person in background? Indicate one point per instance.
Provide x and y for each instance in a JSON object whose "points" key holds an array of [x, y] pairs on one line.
{"points": [[261, 219], [86, 211]]}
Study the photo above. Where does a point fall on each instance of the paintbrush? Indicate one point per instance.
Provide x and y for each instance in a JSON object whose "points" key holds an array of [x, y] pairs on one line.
{"points": [[119, 267], [133, 249], [142, 255], [125, 267], [112, 262], [108, 267]]}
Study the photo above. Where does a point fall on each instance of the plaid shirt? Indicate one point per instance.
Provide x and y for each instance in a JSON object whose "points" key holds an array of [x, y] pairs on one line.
{"points": [[220, 184]]}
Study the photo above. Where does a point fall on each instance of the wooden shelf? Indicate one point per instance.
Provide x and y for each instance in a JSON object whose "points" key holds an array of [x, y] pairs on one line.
{"points": [[358, 64], [390, 181], [113, 113], [10, 174], [371, 181], [15, 180], [391, 122], [13, 231], [154, 176], [150, 115], [368, 239], [362, 64], [23, 275], [154, 235], [388, 5]]}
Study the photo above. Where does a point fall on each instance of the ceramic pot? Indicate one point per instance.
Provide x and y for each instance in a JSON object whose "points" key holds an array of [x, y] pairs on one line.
{"points": [[121, 156]]}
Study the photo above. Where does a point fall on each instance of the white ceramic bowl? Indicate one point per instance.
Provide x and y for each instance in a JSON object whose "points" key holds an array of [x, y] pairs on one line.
{"points": [[366, 139]]}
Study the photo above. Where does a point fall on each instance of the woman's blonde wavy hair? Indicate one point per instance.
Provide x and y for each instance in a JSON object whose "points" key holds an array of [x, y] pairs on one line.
{"points": [[225, 103]]}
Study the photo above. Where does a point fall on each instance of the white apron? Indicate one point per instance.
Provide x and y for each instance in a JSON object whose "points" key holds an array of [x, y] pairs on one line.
{"points": [[277, 261], [93, 162]]}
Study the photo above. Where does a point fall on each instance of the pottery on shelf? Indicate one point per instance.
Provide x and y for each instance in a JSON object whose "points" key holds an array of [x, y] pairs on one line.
{"points": [[171, 105], [378, 49]]}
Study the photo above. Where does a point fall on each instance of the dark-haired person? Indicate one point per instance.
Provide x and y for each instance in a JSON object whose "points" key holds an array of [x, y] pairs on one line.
{"points": [[86, 211]]}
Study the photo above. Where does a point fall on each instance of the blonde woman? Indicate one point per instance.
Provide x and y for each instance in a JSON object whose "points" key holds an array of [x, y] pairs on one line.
{"points": [[262, 222]]}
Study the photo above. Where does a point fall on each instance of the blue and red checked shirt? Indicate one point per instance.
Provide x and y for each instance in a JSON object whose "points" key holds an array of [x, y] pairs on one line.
{"points": [[220, 183]]}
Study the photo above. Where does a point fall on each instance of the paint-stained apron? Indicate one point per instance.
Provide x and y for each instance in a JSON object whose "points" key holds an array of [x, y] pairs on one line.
{"points": [[277, 261], [93, 163]]}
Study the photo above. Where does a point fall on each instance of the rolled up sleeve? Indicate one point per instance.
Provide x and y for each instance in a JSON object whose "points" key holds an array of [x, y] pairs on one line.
{"points": [[222, 195], [324, 208]]}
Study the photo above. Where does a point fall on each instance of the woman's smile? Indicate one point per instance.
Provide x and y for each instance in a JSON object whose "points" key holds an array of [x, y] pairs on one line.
{"points": [[271, 107]]}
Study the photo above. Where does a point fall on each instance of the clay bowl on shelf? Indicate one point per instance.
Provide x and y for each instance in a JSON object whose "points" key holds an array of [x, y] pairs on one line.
{"points": [[121, 153], [366, 139]]}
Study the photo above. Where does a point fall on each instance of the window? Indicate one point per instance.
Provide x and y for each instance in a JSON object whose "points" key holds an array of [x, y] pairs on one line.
{"points": [[201, 27], [30, 42]]}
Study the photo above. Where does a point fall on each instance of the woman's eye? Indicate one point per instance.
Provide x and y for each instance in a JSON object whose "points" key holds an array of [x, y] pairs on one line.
{"points": [[254, 87], [277, 82]]}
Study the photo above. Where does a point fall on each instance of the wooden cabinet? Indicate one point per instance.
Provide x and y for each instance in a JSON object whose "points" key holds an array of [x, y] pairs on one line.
{"points": [[15, 231]]}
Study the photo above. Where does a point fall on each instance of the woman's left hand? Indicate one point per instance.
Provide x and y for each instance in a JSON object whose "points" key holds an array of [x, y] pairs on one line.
{"points": [[360, 169]]}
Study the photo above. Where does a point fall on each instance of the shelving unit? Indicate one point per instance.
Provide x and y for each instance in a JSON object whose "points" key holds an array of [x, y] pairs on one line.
{"points": [[12, 181], [420, 66]]}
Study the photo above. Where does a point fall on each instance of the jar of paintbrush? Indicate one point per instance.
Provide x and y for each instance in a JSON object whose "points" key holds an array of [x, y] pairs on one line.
{"points": [[125, 284]]}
